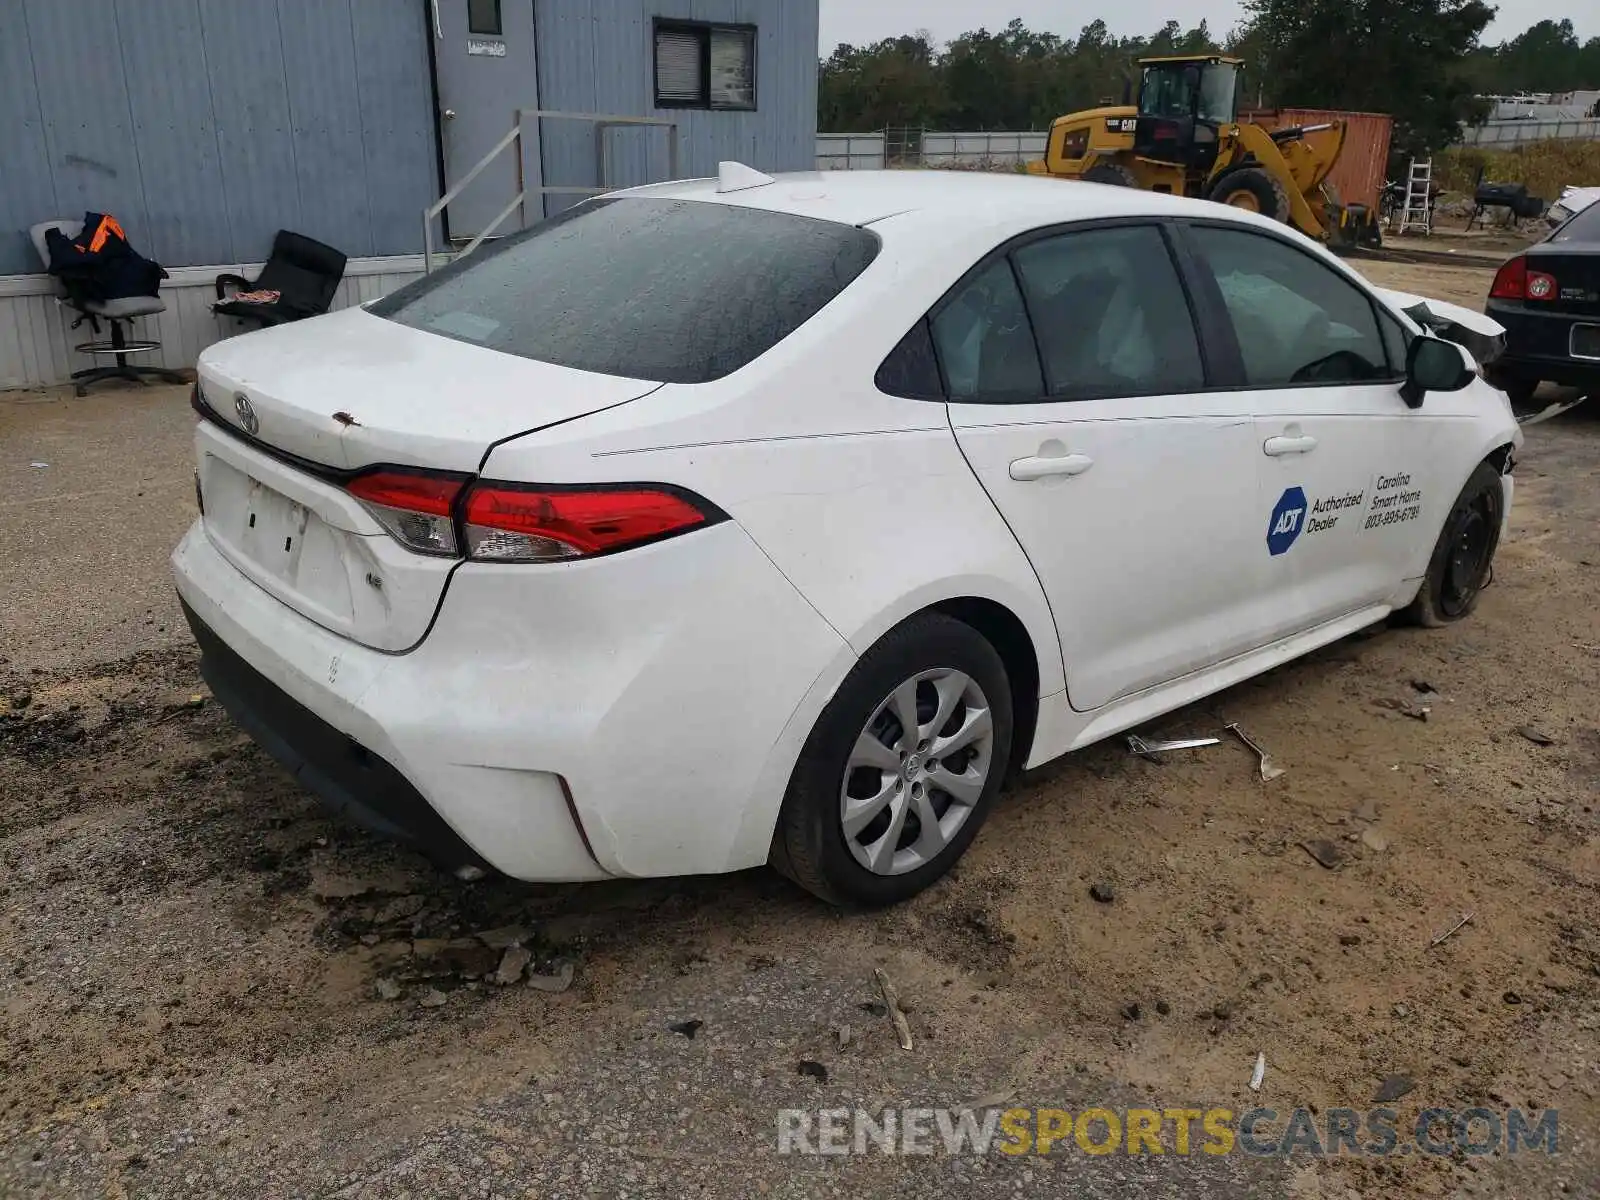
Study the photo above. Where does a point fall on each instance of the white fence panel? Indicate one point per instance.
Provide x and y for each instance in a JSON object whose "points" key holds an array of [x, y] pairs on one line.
{"points": [[1511, 133], [997, 148], [851, 151]]}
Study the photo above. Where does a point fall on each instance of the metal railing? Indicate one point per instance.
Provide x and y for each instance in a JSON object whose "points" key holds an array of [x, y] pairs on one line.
{"points": [[519, 202]]}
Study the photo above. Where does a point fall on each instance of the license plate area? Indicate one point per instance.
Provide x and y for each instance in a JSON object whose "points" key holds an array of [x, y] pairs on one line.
{"points": [[279, 542], [1585, 341]]}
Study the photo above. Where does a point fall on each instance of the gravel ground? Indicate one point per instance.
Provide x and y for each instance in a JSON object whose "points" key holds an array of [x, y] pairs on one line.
{"points": [[210, 989]]}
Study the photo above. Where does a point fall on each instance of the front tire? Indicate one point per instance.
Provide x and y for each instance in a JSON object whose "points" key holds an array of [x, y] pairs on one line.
{"points": [[902, 767], [1463, 558], [1254, 190]]}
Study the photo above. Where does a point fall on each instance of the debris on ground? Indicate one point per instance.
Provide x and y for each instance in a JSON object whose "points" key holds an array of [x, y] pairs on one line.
{"points": [[687, 1028], [554, 982], [812, 1069], [1417, 712], [1325, 852], [1511, 997], [1374, 839], [844, 1033], [502, 938], [1102, 893], [891, 1002], [433, 998], [512, 963], [991, 1100], [1259, 1075], [1150, 747], [1393, 1087], [1269, 770], [1536, 735], [1459, 925], [386, 989]]}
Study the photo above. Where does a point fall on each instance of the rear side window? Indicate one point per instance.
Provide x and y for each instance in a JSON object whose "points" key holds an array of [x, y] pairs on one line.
{"points": [[675, 291], [984, 341], [1110, 314], [1297, 321]]}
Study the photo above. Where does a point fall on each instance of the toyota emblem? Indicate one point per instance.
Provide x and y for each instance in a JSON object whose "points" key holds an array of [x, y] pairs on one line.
{"points": [[247, 414]]}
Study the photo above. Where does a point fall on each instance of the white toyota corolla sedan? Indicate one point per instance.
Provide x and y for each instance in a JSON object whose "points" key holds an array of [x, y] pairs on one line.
{"points": [[752, 520]]}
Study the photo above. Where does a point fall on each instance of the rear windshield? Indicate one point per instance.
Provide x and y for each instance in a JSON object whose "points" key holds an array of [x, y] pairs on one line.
{"points": [[1582, 226], [676, 291]]}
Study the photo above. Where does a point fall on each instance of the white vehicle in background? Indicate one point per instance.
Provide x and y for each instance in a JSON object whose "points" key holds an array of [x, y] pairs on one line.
{"points": [[725, 522]]}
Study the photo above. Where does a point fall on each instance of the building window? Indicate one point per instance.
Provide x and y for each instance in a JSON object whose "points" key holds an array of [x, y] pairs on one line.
{"points": [[483, 17], [705, 66]]}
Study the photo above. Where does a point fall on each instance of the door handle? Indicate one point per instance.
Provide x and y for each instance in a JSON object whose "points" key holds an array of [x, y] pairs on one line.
{"points": [[1027, 469], [1277, 447]]}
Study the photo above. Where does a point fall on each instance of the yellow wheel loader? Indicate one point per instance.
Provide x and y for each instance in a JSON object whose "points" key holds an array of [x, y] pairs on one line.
{"points": [[1184, 137]]}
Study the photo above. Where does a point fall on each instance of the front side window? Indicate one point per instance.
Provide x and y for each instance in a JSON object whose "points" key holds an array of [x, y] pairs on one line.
{"points": [[1168, 91], [1110, 314], [674, 291], [705, 66], [984, 341], [1297, 321], [1218, 85]]}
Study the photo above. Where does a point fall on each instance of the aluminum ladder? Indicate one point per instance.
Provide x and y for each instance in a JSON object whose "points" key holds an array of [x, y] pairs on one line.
{"points": [[1418, 210]]}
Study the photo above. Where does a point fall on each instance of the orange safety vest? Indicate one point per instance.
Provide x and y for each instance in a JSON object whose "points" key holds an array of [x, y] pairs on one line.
{"points": [[102, 234]]}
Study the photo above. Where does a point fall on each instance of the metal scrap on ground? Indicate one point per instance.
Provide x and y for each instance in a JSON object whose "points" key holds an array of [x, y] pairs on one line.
{"points": [[1269, 769], [1150, 747]]}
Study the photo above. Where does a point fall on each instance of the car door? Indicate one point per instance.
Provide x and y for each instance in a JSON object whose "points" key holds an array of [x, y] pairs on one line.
{"points": [[1078, 392], [1344, 465]]}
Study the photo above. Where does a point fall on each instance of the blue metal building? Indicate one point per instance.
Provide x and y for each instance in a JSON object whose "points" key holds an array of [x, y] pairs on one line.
{"points": [[207, 125]]}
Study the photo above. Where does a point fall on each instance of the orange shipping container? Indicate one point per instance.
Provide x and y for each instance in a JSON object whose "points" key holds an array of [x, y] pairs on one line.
{"points": [[1363, 165]]}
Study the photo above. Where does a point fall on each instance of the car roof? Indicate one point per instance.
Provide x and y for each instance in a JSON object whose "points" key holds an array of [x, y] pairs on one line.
{"points": [[958, 199]]}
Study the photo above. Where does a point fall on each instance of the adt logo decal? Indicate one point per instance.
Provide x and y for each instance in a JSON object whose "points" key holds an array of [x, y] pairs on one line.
{"points": [[1287, 520]]}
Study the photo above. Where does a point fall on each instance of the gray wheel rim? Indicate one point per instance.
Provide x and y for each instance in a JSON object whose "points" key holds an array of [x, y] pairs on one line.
{"points": [[917, 771]]}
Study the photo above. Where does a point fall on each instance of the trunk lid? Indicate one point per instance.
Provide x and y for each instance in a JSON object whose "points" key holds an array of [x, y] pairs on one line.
{"points": [[1576, 269], [339, 394], [350, 389]]}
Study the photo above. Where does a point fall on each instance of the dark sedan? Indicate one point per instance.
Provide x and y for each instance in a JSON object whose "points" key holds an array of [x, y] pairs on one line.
{"points": [[1548, 299]]}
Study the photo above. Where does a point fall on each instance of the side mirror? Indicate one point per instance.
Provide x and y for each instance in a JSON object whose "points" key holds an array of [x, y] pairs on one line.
{"points": [[1433, 365]]}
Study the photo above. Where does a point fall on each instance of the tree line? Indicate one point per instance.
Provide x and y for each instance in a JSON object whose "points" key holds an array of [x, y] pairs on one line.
{"points": [[1420, 60]]}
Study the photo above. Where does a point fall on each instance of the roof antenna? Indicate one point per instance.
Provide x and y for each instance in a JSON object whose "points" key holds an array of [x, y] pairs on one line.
{"points": [[736, 177]]}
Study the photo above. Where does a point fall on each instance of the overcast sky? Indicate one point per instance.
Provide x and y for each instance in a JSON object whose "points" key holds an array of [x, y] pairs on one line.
{"points": [[861, 21]]}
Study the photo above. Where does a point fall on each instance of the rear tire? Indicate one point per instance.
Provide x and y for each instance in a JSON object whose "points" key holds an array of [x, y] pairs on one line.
{"points": [[868, 820], [1463, 557], [1111, 173], [1253, 189]]}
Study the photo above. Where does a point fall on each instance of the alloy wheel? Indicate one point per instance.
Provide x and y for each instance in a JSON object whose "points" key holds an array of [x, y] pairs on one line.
{"points": [[917, 771]]}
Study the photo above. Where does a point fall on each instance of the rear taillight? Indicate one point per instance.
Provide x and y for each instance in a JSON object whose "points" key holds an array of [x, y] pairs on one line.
{"points": [[515, 522], [416, 508], [530, 523], [1513, 281]]}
